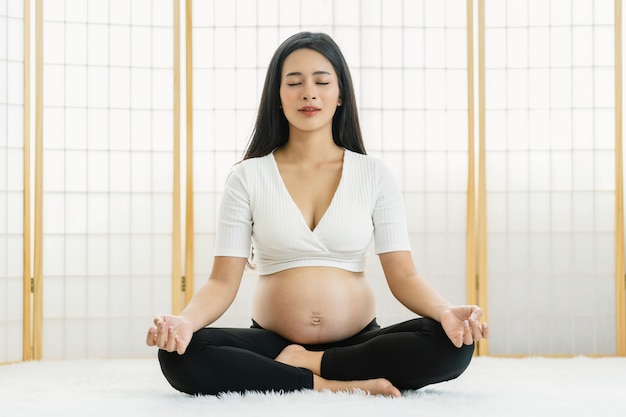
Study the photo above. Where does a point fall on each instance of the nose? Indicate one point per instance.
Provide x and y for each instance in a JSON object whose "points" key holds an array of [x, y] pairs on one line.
{"points": [[309, 92]]}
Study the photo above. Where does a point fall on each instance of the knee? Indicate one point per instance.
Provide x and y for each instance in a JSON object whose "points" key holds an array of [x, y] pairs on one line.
{"points": [[460, 360], [453, 361], [175, 369], [190, 373]]}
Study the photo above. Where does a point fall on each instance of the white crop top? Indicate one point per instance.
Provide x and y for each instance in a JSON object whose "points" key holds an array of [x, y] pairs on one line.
{"points": [[258, 210]]}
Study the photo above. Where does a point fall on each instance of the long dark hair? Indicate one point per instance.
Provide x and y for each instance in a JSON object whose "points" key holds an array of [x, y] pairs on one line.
{"points": [[271, 129]]}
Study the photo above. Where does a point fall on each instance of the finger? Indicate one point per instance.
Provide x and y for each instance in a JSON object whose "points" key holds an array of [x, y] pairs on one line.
{"points": [[459, 338], [476, 314], [456, 337], [477, 332], [467, 333], [158, 320], [485, 330], [171, 340], [181, 346], [161, 336], [151, 337]]}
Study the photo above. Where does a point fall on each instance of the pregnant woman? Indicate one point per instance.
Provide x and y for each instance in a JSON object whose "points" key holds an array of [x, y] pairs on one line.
{"points": [[302, 209]]}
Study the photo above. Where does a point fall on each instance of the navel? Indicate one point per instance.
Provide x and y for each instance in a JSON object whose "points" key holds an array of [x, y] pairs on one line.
{"points": [[316, 320]]}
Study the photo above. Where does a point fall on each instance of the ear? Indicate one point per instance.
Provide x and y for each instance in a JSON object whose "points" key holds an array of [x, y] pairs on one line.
{"points": [[339, 102]]}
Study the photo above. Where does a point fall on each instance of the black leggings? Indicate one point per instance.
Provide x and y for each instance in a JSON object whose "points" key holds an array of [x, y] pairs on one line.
{"points": [[410, 355]]}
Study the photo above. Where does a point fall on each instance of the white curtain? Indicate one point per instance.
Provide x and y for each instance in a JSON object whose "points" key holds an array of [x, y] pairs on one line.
{"points": [[108, 159], [551, 176], [11, 179]]}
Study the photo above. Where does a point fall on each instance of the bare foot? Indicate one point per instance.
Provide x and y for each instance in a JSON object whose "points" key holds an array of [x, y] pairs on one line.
{"points": [[378, 386], [296, 355], [288, 354]]}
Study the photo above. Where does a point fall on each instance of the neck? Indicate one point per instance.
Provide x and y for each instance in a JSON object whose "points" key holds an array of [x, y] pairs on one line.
{"points": [[311, 148]]}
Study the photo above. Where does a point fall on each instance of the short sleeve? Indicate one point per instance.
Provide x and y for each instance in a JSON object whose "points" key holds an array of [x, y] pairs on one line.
{"points": [[389, 217], [234, 222]]}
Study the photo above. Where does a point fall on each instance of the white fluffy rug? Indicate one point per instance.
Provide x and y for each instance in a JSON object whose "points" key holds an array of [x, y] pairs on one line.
{"points": [[490, 387]]}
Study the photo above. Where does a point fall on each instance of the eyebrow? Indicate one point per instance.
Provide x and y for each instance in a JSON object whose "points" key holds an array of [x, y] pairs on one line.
{"points": [[296, 74]]}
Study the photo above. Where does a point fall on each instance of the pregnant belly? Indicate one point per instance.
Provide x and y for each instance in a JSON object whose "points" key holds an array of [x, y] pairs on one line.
{"points": [[313, 305]]}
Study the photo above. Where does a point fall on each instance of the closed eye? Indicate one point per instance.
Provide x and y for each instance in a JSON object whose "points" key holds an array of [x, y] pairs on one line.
{"points": [[295, 84]]}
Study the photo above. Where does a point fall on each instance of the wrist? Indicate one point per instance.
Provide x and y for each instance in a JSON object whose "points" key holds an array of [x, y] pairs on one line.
{"points": [[189, 320], [442, 311]]}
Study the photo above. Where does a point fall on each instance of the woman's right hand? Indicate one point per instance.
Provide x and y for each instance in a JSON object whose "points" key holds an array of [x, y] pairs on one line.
{"points": [[170, 333]]}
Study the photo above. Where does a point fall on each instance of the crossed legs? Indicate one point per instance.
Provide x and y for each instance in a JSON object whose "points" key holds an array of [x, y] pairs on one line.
{"points": [[384, 361]]}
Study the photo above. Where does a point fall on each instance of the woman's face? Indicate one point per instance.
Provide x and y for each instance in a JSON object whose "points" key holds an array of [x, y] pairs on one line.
{"points": [[309, 91]]}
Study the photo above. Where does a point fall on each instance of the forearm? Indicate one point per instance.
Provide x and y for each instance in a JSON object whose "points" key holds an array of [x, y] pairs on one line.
{"points": [[217, 294], [409, 288], [208, 304], [420, 297]]}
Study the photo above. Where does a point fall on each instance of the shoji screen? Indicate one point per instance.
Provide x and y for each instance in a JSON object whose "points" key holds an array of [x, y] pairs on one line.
{"points": [[550, 143], [408, 60], [108, 169], [11, 179]]}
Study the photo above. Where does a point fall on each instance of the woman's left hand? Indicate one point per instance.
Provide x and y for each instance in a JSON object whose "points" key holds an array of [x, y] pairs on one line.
{"points": [[462, 325]]}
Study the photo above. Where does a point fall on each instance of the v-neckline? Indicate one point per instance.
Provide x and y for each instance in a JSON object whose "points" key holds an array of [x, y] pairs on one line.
{"points": [[293, 202]]}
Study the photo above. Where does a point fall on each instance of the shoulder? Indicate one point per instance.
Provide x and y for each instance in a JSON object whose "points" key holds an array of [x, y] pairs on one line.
{"points": [[367, 165], [249, 168], [244, 176], [362, 161], [256, 163]]}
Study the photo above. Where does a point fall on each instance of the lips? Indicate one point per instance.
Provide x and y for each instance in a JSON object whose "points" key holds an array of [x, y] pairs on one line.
{"points": [[309, 110]]}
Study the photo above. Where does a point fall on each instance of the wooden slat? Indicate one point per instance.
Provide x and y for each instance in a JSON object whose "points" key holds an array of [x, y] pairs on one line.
{"points": [[620, 277], [470, 270], [189, 201], [38, 227], [176, 221], [483, 346], [26, 303]]}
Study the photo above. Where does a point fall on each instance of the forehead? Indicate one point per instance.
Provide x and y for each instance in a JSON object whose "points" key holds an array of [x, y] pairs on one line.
{"points": [[306, 61]]}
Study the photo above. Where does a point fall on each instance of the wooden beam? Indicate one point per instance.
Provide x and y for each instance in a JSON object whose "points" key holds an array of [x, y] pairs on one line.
{"points": [[483, 346], [471, 273], [620, 273], [189, 201], [176, 221], [26, 269], [38, 227], [470, 270]]}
